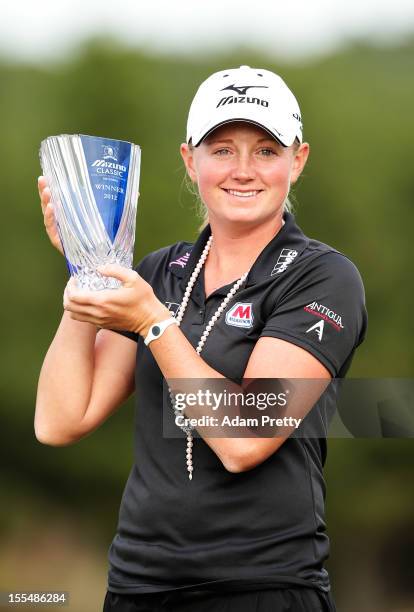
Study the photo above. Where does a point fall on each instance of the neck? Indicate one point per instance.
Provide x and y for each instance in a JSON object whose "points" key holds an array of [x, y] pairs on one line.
{"points": [[235, 251]]}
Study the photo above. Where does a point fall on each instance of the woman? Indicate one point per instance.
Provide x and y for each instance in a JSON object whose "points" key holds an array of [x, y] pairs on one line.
{"points": [[218, 523]]}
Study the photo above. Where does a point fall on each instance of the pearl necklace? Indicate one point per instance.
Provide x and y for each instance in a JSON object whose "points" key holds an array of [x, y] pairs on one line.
{"points": [[180, 314]]}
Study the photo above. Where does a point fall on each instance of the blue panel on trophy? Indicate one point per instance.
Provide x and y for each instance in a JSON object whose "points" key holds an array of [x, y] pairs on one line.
{"points": [[108, 166]]}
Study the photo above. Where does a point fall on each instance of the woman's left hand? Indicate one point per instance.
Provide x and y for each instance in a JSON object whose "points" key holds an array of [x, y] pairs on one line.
{"points": [[133, 307]]}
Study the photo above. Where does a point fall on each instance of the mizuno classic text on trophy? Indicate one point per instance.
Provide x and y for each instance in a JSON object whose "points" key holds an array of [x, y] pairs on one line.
{"points": [[94, 185]]}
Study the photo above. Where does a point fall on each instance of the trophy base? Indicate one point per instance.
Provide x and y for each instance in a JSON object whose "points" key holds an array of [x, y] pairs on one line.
{"points": [[87, 275], [93, 281]]}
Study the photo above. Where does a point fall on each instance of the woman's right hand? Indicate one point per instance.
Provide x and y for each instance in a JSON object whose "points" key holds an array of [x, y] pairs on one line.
{"points": [[48, 214]]}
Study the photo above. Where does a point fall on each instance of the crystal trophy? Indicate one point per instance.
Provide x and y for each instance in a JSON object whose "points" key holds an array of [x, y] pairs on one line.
{"points": [[94, 186]]}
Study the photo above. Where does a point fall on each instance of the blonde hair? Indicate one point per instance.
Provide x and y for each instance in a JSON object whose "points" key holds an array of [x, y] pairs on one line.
{"points": [[201, 209]]}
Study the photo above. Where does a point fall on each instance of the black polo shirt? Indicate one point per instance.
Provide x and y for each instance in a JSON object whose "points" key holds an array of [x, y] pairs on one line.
{"points": [[265, 526]]}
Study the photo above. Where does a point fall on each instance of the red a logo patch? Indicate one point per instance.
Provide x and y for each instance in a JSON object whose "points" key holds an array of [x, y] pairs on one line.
{"points": [[240, 315]]}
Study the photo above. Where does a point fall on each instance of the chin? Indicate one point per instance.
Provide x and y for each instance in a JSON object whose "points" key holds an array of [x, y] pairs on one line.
{"points": [[244, 218]]}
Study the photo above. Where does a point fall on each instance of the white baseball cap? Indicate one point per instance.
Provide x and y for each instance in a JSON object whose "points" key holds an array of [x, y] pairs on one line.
{"points": [[247, 94]]}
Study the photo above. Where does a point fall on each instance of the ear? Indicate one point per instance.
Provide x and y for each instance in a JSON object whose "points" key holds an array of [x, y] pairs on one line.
{"points": [[299, 160], [188, 157]]}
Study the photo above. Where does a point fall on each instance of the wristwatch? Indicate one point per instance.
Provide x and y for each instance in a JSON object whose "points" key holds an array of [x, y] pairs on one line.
{"points": [[156, 330]]}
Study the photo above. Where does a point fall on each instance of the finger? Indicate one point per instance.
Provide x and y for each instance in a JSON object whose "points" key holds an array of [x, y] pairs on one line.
{"points": [[50, 224], [45, 196], [84, 298], [49, 215], [84, 318], [51, 227], [72, 284], [84, 311], [81, 300], [45, 199], [70, 289], [125, 275], [66, 296], [41, 184], [44, 192], [73, 287]]}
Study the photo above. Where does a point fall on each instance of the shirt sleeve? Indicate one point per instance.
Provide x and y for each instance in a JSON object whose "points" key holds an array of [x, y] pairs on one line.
{"points": [[323, 312]]}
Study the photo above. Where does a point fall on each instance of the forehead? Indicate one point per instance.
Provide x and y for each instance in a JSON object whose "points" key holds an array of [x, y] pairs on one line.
{"points": [[236, 130]]}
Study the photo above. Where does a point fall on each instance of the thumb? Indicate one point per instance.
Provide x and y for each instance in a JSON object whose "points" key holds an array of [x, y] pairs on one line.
{"points": [[125, 275]]}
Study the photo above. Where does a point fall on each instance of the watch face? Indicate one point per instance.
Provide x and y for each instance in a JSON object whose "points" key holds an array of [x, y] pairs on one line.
{"points": [[156, 330]]}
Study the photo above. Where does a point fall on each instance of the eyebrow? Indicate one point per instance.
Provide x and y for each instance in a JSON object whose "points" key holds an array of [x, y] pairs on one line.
{"points": [[230, 140]]}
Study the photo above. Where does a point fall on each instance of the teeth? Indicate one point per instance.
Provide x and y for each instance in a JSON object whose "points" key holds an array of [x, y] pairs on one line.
{"points": [[242, 194]]}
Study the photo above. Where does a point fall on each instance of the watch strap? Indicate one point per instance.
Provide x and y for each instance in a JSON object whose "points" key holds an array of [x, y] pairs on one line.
{"points": [[156, 330]]}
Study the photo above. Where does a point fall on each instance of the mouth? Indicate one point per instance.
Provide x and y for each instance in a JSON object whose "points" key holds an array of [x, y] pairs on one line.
{"points": [[252, 193]]}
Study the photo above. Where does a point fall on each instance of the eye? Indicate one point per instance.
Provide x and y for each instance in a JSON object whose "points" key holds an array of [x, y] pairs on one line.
{"points": [[267, 152], [222, 152]]}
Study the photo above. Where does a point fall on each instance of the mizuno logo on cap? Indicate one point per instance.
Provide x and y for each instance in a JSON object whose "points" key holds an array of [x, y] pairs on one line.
{"points": [[242, 89], [242, 98]]}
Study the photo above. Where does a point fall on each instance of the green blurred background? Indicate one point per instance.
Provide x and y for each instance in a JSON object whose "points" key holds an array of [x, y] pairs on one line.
{"points": [[59, 506]]}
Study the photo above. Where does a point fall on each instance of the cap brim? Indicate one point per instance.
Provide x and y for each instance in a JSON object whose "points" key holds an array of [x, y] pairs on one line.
{"points": [[241, 120]]}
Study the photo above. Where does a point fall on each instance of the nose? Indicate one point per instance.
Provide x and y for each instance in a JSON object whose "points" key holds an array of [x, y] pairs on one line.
{"points": [[243, 169]]}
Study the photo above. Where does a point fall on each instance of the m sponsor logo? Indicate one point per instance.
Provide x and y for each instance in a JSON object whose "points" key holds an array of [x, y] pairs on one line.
{"points": [[181, 261], [240, 315], [324, 312], [285, 259]]}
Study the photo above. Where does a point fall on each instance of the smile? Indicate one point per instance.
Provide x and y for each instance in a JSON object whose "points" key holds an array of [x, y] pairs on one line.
{"points": [[243, 194]]}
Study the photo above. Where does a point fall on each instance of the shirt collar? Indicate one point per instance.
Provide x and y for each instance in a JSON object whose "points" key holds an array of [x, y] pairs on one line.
{"points": [[280, 253]]}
